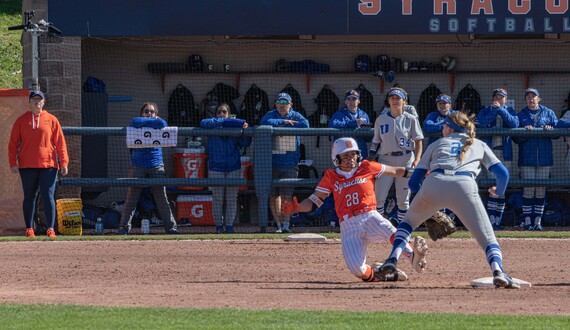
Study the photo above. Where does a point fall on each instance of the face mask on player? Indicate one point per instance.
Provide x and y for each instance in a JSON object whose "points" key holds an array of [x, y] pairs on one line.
{"points": [[341, 146]]}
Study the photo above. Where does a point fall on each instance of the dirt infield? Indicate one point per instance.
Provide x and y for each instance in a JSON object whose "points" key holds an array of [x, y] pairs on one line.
{"points": [[264, 274]]}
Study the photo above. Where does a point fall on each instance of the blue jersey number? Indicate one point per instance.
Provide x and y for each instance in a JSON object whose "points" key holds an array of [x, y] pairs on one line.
{"points": [[404, 142], [455, 148], [384, 128]]}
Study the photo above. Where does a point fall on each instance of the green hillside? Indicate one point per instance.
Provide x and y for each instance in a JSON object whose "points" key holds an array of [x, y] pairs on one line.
{"points": [[10, 47]]}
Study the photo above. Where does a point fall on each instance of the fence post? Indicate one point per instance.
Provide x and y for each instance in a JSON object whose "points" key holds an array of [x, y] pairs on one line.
{"points": [[262, 171]]}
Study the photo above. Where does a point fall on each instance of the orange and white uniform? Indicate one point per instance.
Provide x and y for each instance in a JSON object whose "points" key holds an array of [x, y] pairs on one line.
{"points": [[355, 204]]}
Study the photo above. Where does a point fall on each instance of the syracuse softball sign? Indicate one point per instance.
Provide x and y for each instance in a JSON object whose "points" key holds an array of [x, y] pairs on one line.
{"points": [[480, 16]]}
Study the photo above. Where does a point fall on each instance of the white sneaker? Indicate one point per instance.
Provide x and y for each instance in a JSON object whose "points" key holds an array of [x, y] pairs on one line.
{"points": [[278, 231], [419, 257]]}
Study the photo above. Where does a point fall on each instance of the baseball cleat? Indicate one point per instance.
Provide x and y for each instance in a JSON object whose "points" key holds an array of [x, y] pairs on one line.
{"points": [[419, 256], [400, 275], [502, 280], [388, 268]]}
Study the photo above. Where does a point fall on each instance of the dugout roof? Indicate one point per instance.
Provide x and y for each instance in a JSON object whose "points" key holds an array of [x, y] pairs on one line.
{"points": [[308, 17]]}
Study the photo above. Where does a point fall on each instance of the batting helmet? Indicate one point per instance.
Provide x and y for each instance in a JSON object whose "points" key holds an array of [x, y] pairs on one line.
{"points": [[448, 63], [342, 145]]}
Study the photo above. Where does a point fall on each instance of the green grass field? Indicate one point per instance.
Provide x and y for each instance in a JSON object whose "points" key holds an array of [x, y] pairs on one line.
{"points": [[77, 317], [10, 47]]}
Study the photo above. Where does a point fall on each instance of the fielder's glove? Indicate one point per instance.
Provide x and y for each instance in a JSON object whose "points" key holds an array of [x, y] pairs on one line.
{"points": [[440, 225], [291, 207]]}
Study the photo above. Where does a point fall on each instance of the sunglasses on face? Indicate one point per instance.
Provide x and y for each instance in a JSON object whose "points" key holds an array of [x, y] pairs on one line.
{"points": [[221, 111], [282, 102], [147, 111]]}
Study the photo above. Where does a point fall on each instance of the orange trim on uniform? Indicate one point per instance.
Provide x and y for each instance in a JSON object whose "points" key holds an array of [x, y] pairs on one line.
{"points": [[368, 274]]}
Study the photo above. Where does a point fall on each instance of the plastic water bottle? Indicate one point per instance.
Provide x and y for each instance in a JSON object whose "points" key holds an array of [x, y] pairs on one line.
{"points": [[145, 226], [99, 226]]}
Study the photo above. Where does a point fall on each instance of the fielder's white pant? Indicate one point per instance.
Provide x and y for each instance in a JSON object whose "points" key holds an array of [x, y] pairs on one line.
{"points": [[360, 230], [383, 184]]}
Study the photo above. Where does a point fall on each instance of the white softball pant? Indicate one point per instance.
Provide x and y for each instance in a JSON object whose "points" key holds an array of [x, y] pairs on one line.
{"points": [[360, 230]]}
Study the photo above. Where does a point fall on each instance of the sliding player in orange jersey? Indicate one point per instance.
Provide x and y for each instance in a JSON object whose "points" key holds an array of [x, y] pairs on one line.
{"points": [[352, 185]]}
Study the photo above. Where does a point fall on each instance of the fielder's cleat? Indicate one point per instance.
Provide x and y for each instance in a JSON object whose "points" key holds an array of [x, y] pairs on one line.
{"points": [[278, 231], [419, 256], [388, 268], [173, 231], [528, 227], [123, 231], [229, 229], [399, 275], [537, 227], [51, 233], [502, 280], [30, 233], [219, 229]]}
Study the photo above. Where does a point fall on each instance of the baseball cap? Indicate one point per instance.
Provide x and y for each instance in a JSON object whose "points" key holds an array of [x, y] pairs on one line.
{"points": [[500, 91], [37, 93], [531, 90], [398, 93], [284, 96], [443, 98], [352, 93]]}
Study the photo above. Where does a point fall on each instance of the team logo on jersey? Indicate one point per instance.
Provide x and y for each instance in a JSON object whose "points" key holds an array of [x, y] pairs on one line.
{"points": [[340, 186]]}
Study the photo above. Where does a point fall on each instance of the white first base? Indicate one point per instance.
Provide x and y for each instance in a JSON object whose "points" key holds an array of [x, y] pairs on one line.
{"points": [[306, 237], [487, 282]]}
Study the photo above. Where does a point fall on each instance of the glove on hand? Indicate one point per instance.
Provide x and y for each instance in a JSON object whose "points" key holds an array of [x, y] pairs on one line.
{"points": [[440, 225], [291, 207]]}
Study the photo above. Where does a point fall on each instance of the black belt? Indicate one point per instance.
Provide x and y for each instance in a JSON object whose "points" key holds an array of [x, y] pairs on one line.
{"points": [[464, 173], [497, 148], [397, 153]]}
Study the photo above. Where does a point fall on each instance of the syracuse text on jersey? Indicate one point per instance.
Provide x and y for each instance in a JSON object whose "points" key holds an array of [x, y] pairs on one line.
{"points": [[339, 187]]}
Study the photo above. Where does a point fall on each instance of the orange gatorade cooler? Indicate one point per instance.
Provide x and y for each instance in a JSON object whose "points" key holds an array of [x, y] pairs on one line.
{"points": [[246, 170], [190, 163], [196, 209]]}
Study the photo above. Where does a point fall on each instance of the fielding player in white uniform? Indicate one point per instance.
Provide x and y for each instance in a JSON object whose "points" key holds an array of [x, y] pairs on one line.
{"points": [[396, 142], [454, 161], [352, 185]]}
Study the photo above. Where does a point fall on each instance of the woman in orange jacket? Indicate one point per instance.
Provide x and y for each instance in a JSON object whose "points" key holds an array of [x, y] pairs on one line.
{"points": [[37, 150]]}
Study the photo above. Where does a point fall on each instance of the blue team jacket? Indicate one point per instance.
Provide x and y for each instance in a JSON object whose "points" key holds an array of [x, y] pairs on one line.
{"points": [[147, 157], [536, 151], [224, 151], [487, 118], [433, 124], [343, 118], [273, 118]]}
